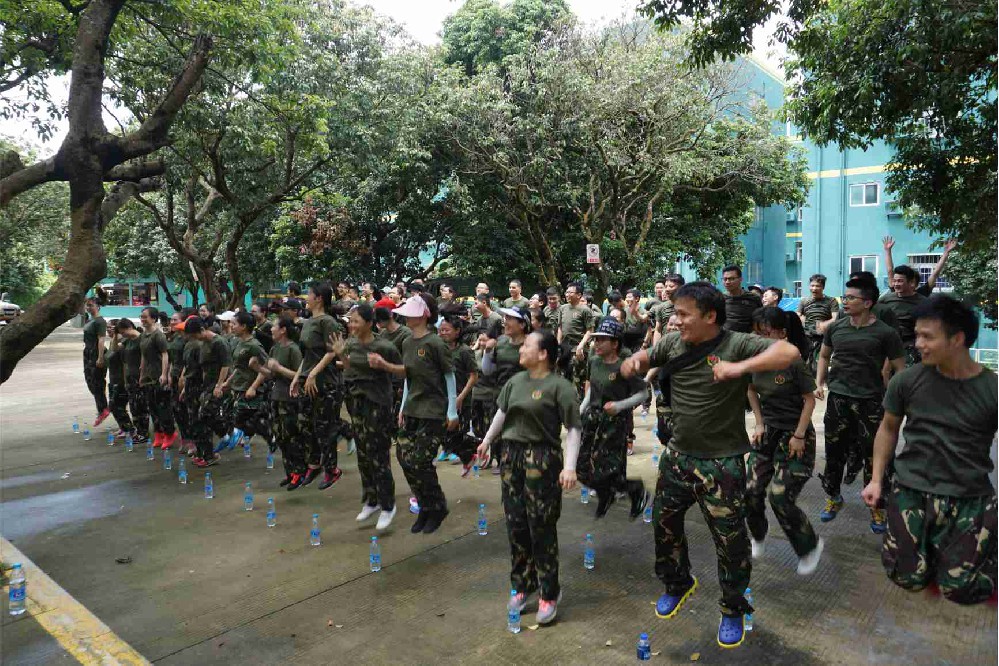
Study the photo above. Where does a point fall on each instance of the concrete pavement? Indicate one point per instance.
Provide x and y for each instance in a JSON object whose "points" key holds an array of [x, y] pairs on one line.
{"points": [[210, 583]]}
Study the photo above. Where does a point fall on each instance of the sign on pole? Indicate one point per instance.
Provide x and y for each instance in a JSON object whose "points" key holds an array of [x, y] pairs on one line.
{"points": [[592, 253]]}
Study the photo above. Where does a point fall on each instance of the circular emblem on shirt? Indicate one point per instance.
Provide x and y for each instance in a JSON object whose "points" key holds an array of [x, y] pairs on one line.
{"points": [[421, 352], [612, 376], [712, 359], [537, 394], [779, 379]]}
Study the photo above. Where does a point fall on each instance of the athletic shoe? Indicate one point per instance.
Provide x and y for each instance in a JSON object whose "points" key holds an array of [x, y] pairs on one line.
{"points": [[851, 473], [669, 604], [285, 481], [496, 470], [202, 463], [759, 547], [100, 417], [465, 469], [434, 520], [878, 524], [366, 512], [351, 447], [631, 447], [414, 506], [603, 504], [421, 522], [833, 507], [296, 482], [221, 445], [454, 459], [517, 602], [442, 457], [119, 434], [330, 478], [310, 476], [808, 562], [731, 631], [640, 498], [139, 439], [385, 519], [157, 439], [167, 440], [547, 610]]}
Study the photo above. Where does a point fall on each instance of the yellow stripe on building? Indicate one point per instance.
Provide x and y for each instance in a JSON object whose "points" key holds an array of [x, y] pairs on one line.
{"points": [[794, 234], [855, 171]]}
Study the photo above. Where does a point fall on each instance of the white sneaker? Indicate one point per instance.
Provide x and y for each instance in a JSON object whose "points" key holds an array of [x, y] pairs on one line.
{"points": [[351, 447], [366, 512], [385, 519], [808, 563], [759, 547]]}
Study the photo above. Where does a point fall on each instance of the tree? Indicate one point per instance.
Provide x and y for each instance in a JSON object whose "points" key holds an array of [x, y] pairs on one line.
{"points": [[917, 74]]}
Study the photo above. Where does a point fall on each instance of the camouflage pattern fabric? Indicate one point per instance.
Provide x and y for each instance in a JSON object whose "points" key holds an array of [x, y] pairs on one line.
{"points": [[602, 460], [320, 423], [137, 406], [118, 396], [210, 420], [580, 370], [459, 442], [251, 415], [482, 417], [532, 502], [814, 347], [284, 427], [771, 465], [950, 541], [419, 442], [372, 425], [179, 411], [160, 407], [96, 379], [912, 356], [718, 486], [664, 420], [850, 422]]}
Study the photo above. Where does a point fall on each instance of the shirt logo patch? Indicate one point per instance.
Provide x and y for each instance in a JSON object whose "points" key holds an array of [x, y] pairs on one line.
{"points": [[779, 379], [712, 359], [421, 352], [537, 394], [612, 376]]}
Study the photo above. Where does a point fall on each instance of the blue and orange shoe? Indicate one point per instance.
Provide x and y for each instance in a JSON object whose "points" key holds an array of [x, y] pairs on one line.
{"points": [[669, 604], [833, 507], [731, 631]]}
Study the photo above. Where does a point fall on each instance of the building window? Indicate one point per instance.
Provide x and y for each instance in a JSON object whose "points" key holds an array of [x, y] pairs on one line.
{"points": [[754, 272], [117, 294], [801, 213], [867, 262], [797, 288], [145, 293], [797, 251], [865, 194], [923, 264]]}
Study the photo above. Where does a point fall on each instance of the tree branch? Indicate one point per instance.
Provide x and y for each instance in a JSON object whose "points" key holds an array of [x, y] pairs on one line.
{"points": [[136, 171]]}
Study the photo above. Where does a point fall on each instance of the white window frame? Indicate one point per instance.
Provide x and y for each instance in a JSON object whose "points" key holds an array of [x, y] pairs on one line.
{"points": [[924, 263], [799, 249], [801, 213], [862, 204], [862, 257], [797, 288]]}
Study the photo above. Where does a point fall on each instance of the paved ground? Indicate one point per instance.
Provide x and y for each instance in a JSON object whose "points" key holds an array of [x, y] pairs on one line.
{"points": [[209, 583]]}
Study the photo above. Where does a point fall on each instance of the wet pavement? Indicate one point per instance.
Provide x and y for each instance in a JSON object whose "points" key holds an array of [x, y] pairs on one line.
{"points": [[209, 583]]}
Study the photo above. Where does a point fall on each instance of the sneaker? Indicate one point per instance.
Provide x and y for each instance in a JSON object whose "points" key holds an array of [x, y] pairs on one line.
{"points": [[454, 459], [330, 477], [295, 482], [139, 439], [421, 522], [645, 412], [442, 457], [385, 519], [119, 434], [285, 481], [202, 463], [518, 602], [496, 470], [157, 439], [366, 512], [222, 444], [631, 447], [808, 563], [833, 507], [547, 610], [669, 604], [434, 520], [414, 506], [851, 474], [878, 524], [731, 631], [351, 447], [310, 476], [465, 469], [759, 547], [100, 417], [167, 440], [640, 499]]}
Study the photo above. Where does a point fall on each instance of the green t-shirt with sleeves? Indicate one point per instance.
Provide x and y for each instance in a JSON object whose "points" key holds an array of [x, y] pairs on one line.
{"points": [[289, 356], [427, 360], [175, 352], [115, 361], [551, 317], [214, 357], [949, 428], [516, 303], [709, 417], [193, 373], [816, 310], [781, 394], [537, 409], [661, 314], [507, 359], [607, 384], [152, 345], [243, 374], [92, 332], [316, 332], [131, 354], [903, 307], [858, 354], [739, 311], [365, 381], [486, 389], [396, 337], [463, 360], [575, 322]]}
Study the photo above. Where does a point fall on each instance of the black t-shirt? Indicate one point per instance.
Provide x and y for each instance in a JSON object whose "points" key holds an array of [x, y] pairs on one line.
{"points": [[739, 311]]}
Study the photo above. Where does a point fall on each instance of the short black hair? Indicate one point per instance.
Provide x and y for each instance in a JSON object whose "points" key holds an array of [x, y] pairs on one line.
{"points": [[548, 344], [955, 316], [637, 295], [416, 287], [675, 278], [552, 291], [574, 285], [245, 319], [193, 326], [706, 296], [864, 275], [776, 290], [614, 296], [294, 289], [518, 283], [907, 272], [868, 289], [732, 268], [485, 297], [382, 315], [818, 277]]}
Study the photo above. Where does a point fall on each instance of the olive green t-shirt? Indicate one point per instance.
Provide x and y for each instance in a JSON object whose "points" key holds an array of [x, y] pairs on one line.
{"points": [[507, 360], [463, 359], [114, 359], [858, 354], [175, 352], [816, 310], [263, 333], [575, 322], [552, 317], [193, 375], [781, 394], [288, 356], [152, 345], [709, 417], [739, 311], [491, 325], [948, 430], [516, 303], [92, 332], [230, 341], [536, 409], [608, 385], [903, 307], [131, 354], [661, 314], [486, 389], [634, 332], [214, 356], [365, 381], [243, 375], [885, 314], [316, 332], [427, 360], [396, 337]]}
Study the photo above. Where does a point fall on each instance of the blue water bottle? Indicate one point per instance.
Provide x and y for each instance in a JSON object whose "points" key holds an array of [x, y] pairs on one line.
{"points": [[129, 443], [271, 513], [86, 434], [375, 556], [110, 438], [644, 647], [748, 619], [17, 595], [76, 425], [269, 464], [314, 532], [182, 470], [209, 486], [513, 614], [584, 495], [247, 497], [589, 555], [167, 459]]}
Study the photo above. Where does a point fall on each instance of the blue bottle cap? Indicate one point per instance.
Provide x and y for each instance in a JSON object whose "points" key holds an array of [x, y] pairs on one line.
{"points": [[643, 636], [513, 593], [374, 538]]}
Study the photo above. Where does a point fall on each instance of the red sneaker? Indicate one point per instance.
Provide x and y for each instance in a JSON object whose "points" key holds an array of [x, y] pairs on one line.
{"points": [[168, 440], [157, 439], [103, 415], [202, 463]]}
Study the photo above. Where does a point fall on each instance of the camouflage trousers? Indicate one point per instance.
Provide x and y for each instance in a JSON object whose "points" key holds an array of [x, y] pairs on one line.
{"points": [[664, 423], [851, 424], [718, 486], [580, 370], [160, 403], [284, 428], [419, 442], [208, 416], [912, 355], [96, 379], [771, 465], [321, 426], [180, 413], [602, 460], [483, 412], [118, 403], [460, 442], [252, 415], [950, 541], [532, 502], [372, 425], [137, 407], [814, 347]]}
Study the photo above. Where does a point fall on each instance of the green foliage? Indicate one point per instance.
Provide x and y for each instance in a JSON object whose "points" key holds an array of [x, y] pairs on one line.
{"points": [[973, 273]]}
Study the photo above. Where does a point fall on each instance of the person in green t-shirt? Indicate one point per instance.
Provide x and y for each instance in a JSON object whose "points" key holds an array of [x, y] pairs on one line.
{"points": [[154, 378], [783, 454], [283, 364], [516, 299], [531, 411], [459, 442], [189, 385], [575, 320], [941, 508], [117, 391], [740, 304], [131, 356], [175, 353], [551, 308], [606, 405], [429, 405], [94, 367], [902, 301], [323, 387], [858, 347], [709, 370], [214, 363], [501, 359], [814, 311], [250, 414]]}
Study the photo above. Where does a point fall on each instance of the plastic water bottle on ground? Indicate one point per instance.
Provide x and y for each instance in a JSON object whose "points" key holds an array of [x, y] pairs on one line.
{"points": [[149, 450], [644, 647], [129, 443], [482, 520], [76, 425], [584, 495], [167, 459], [589, 556], [247, 497], [314, 532], [182, 470], [86, 434], [110, 438], [748, 619], [209, 486], [270, 460], [17, 596], [475, 471], [246, 447], [375, 558], [647, 516], [271, 513], [655, 453], [513, 616]]}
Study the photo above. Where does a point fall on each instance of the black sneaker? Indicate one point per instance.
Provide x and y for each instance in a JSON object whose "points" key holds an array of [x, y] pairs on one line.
{"points": [[285, 481], [851, 475], [434, 521], [330, 478], [640, 498], [421, 521], [310, 476], [295, 481]]}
